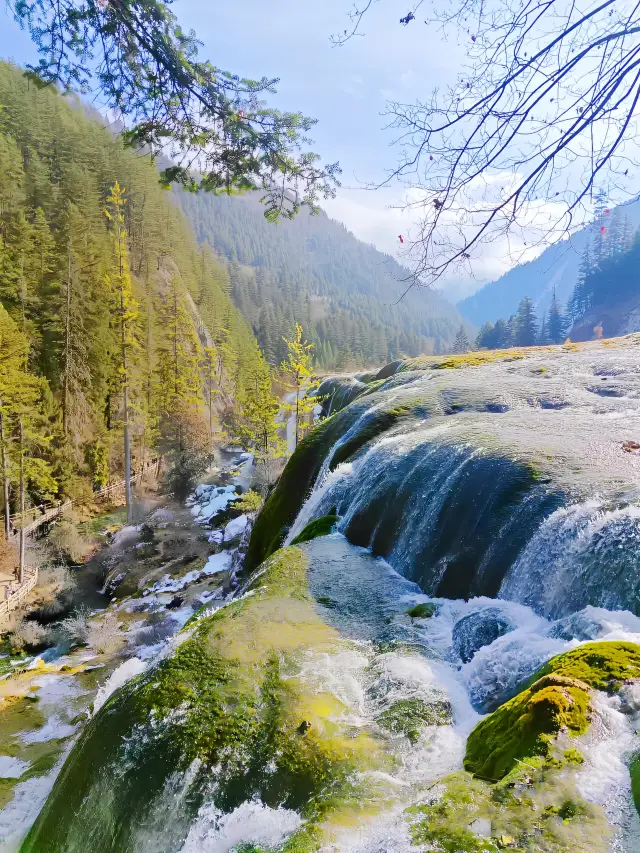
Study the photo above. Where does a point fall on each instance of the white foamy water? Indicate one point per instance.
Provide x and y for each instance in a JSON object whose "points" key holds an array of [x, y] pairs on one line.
{"points": [[251, 823], [125, 672]]}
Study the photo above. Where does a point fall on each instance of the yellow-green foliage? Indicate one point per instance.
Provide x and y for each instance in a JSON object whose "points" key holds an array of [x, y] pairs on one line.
{"points": [[605, 665], [536, 811], [527, 725]]}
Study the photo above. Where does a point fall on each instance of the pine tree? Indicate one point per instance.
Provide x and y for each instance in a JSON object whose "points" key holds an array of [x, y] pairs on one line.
{"points": [[526, 326], [486, 336], [503, 335], [255, 425], [297, 371], [461, 342], [557, 323], [125, 316]]}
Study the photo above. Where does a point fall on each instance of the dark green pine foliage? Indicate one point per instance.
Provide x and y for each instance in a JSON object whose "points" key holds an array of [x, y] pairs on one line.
{"points": [[345, 294], [461, 343], [556, 322], [526, 324]]}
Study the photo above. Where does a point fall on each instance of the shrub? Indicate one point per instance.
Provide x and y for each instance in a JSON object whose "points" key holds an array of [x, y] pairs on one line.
{"points": [[76, 627], [105, 635], [68, 543], [28, 635]]}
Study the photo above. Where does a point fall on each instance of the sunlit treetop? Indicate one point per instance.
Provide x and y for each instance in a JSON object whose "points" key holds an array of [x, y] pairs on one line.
{"points": [[207, 121]]}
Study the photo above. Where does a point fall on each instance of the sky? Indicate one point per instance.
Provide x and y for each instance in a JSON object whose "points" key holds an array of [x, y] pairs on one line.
{"points": [[344, 88]]}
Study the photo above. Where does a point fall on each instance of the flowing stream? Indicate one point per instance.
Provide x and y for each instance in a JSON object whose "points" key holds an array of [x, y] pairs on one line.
{"points": [[488, 519]]}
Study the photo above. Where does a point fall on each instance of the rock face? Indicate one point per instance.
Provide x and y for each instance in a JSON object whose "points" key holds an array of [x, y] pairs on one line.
{"points": [[479, 629]]}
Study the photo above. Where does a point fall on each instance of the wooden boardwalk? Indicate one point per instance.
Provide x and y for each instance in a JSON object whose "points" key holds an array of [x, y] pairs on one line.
{"points": [[12, 593]]}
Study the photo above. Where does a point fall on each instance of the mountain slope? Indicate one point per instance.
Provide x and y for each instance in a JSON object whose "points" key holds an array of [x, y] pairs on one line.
{"points": [[314, 271], [557, 267], [60, 283]]}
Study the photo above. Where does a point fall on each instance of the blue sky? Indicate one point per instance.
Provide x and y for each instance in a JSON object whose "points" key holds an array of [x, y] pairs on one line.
{"points": [[345, 88]]}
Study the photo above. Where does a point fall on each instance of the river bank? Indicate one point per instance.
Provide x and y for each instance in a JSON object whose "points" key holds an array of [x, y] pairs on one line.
{"points": [[130, 599]]}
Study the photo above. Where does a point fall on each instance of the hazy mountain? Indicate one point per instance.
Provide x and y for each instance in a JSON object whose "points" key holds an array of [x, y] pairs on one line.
{"points": [[556, 267], [345, 292]]}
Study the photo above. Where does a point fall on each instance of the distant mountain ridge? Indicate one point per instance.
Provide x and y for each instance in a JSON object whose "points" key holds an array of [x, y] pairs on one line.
{"points": [[557, 267], [313, 270]]}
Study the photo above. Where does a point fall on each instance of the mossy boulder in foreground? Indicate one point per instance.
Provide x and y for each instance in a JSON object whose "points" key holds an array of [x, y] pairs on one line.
{"points": [[556, 700], [227, 717]]}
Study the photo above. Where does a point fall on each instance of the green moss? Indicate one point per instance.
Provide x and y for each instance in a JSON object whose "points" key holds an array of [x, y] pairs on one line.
{"points": [[538, 812], [296, 482], [409, 716], [322, 526], [527, 725], [469, 359], [229, 700], [604, 665], [422, 611], [635, 781]]}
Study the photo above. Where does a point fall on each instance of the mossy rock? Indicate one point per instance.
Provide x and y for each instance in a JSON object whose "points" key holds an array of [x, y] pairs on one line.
{"points": [[409, 716], [538, 811], [527, 725], [379, 422], [602, 665], [322, 526], [422, 611], [226, 705]]}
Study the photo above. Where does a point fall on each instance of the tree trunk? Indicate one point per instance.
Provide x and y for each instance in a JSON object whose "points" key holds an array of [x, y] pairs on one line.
{"points": [[297, 411], [21, 565], [5, 478]]}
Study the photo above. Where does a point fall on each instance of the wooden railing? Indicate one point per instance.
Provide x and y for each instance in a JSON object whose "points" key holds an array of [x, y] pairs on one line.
{"points": [[36, 517], [14, 592]]}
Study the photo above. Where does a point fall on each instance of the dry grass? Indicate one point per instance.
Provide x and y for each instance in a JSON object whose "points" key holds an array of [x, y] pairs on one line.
{"points": [[8, 557]]}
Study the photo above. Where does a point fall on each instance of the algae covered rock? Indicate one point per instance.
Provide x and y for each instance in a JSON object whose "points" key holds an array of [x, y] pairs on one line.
{"points": [[527, 725], [322, 526], [605, 665], [537, 811], [218, 723], [479, 629], [557, 699]]}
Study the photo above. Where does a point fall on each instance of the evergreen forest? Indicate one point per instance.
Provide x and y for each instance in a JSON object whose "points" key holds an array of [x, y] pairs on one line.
{"points": [[111, 315], [346, 294]]}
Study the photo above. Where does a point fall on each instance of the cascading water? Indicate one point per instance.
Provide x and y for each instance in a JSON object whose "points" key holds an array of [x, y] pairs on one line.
{"points": [[487, 522]]}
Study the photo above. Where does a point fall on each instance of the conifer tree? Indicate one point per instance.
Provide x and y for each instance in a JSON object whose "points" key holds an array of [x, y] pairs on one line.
{"points": [[526, 326], [126, 313], [461, 343], [255, 425], [297, 371], [557, 323]]}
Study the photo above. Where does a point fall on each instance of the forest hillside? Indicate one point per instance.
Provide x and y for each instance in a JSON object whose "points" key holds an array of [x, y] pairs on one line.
{"points": [[109, 309], [346, 294]]}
